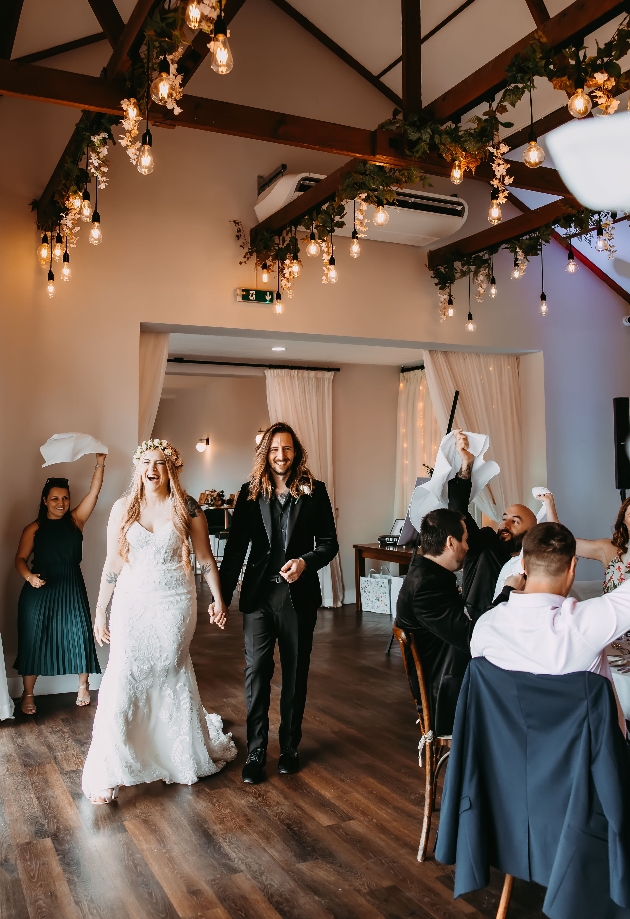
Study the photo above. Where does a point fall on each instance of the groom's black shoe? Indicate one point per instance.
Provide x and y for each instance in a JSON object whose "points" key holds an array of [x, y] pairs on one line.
{"points": [[253, 769], [289, 762]]}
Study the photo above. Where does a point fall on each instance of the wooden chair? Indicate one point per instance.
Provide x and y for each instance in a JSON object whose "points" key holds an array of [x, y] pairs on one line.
{"points": [[436, 749]]}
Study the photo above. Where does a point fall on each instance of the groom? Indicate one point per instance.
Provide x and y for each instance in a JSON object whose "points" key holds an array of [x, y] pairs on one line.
{"points": [[286, 516]]}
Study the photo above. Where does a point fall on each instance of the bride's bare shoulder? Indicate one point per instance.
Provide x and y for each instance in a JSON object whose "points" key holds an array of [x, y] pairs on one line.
{"points": [[118, 510]]}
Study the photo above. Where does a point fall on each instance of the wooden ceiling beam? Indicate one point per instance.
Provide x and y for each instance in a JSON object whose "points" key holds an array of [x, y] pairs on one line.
{"points": [[411, 57], [578, 19], [501, 233], [539, 11], [337, 50], [60, 49], [109, 19], [10, 12], [119, 61]]}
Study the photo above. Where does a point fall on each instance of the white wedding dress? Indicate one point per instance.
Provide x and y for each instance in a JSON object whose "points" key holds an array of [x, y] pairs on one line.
{"points": [[150, 723]]}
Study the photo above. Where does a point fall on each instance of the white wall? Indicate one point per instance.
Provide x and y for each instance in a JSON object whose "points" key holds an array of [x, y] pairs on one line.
{"points": [[534, 429]]}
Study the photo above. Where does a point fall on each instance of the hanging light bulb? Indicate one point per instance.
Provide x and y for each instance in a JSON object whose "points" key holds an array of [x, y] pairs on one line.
{"points": [[543, 304], [457, 173], [471, 325], [450, 306], [145, 154], [312, 250], [580, 103], [265, 272], [333, 277], [74, 201], [355, 247], [600, 244], [495, 214], [162, 87], [533, 154], [278, 306], [222, 61], [493, 287], [572, 265], [193, 15], [65, 271], [296, 267], [43, 251], [50, 287], [381, 217], [96, 237], [133, 109], [516, 271], [86, 207], [57, 251]]}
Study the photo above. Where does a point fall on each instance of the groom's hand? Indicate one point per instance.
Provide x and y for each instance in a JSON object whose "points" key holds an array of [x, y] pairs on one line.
{"points": [[293, 569], [218, 614]]}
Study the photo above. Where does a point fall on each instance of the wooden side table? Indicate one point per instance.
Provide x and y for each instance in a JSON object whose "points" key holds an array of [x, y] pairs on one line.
{"points": [[362, 551]]}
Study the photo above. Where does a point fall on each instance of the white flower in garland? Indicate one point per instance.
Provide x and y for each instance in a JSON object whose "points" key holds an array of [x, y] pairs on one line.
{"points": [[500, 168], [97, 154], [130, 123], [176, 79], [360, 221]]}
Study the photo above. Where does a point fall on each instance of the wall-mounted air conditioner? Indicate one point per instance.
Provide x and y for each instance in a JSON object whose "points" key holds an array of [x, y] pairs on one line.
{"points": [[419, 218]]}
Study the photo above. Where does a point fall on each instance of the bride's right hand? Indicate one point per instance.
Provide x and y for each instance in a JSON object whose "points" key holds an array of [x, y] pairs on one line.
{"points": [[101, 632]]}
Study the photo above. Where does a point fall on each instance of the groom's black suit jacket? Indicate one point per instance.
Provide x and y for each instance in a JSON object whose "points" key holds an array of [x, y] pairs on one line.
{"points": [[311, 536]]}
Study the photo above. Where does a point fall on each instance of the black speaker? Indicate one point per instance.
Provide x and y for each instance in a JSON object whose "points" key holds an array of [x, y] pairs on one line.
{"points": [[621, 409]]}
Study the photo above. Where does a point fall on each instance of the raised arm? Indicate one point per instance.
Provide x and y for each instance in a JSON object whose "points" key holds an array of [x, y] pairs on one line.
{"points": [[85, 507], [600, 550], [24, 551], [209, 571], [111, 569]]}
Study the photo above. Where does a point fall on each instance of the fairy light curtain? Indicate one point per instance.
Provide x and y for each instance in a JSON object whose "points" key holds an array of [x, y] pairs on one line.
{"points": [[489, 403], [418, 436]]}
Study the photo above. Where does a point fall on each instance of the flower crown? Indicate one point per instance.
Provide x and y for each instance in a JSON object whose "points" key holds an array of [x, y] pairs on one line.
{"points": [[167, 449]]}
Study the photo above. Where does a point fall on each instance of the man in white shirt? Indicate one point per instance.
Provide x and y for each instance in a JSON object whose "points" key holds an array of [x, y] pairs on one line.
{"points": [[539, 629]]}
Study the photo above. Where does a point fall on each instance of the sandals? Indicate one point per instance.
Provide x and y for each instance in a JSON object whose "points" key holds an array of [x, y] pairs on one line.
{"points": [[107, 796], [83, 702], [30, 709]]}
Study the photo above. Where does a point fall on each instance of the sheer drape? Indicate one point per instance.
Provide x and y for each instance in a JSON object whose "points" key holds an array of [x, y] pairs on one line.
{"points": [[153, 355], [418, 436], [489, 403], [303, 399]]}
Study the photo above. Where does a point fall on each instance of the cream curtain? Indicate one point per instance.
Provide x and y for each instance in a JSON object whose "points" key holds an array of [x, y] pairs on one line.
{"points": [[153, 355], [303, 399], [489, 403], [418, 436]]}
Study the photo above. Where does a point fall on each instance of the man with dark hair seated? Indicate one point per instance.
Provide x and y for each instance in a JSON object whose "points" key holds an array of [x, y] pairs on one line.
{"points": [[431, 607], [540, 630]]}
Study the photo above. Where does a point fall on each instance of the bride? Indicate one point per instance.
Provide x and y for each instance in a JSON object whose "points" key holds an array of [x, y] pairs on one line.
{"points": [[150, 723]]}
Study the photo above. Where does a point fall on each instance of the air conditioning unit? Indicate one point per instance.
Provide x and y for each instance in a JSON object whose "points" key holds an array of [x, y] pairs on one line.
{"points": [[418, 218]]}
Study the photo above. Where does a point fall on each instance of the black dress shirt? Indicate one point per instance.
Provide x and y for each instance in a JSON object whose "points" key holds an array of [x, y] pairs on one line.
{"points": [[280, 506]]}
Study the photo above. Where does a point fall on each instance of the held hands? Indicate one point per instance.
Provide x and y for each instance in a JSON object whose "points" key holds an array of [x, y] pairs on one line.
{"points": [[293, 569], [35, 581], [101, 632], [218, 613]]}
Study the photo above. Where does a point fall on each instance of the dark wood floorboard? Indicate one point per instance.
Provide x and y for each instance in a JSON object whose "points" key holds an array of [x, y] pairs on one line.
{"points": [[336, 841]]}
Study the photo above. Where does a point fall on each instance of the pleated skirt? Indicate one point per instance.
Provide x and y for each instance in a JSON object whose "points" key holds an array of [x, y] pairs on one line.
{"points": [[55, 628]]}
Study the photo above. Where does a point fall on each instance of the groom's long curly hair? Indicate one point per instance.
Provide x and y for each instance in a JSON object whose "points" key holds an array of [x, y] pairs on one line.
{"points": [[260, 480]]}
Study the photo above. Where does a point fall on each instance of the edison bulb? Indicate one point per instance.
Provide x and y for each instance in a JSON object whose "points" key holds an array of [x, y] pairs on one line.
{"points": [[600, 244], [162, 86], [265, 273], [65, 271], [471, 325], [381, 217], [193, 15], [133, 110], [222, 60], [543, 305], [74, 201], [43, 251], [278, 305], [457, 173], [516, 271], [145, 155], [495, 214], [450, 308], [57, 251], [533, 155], [96, 236], [312, 249], [493, 287], [572, 265], [333, 277], [296, 267], [355, 248], [50, 287], [579, 104], [86, 207]]}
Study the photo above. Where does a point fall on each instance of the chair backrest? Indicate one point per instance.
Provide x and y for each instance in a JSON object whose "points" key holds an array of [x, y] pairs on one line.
{"points": [[415, 676]]}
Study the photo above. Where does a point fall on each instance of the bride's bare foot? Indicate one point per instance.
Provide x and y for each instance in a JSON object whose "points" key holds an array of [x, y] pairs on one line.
{"points": [[106, 796], [28, 707], [83, 695]]}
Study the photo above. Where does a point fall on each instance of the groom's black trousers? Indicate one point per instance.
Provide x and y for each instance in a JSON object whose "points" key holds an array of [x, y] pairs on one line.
{"points": [[276, 619]]}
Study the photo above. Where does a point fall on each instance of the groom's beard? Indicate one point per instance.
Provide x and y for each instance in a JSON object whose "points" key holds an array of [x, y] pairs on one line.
{"points": [[513, 544]]}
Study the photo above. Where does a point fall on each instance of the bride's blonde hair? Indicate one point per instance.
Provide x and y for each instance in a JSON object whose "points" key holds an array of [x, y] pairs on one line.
{"points": [[135, 495]]}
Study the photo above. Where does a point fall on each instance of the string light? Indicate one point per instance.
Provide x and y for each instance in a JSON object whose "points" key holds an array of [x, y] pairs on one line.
{"points": [[457, 173], [222, 61], [355, 246], [145, 153], [533, 154], [265, 272], [543, 296], [495, 214], [580, 102], [600, 244], [57, 251], [470, 325], [65, 271], [381, 217], [43, 251], [572, 265], [96, 237], [312, 250], [162, 87]]}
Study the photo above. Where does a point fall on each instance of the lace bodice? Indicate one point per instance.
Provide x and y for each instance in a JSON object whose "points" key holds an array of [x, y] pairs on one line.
{"points": [[157, 556], [617, 571]]}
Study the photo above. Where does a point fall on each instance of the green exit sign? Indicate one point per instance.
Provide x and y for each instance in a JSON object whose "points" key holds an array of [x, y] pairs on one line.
{"points": [[248, 295]]}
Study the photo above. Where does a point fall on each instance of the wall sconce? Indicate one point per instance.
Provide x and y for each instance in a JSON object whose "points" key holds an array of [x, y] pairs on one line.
{"points": [[259, 436], [202, 443]]}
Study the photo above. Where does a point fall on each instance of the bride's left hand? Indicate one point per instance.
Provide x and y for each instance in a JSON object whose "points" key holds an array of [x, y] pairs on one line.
{"points": [[218, 614]]}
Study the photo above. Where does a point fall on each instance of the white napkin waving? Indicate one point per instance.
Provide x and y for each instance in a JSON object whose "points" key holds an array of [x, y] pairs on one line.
{"points": [[66, 448], [448, 462], [512, 566], [538, 491]]}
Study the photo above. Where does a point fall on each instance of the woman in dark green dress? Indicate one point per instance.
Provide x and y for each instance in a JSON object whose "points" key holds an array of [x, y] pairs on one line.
{"points": [[54, 622]]}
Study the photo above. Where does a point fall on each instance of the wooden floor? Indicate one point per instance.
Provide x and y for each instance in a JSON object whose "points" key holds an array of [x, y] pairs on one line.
{"points": [[337, 840]]}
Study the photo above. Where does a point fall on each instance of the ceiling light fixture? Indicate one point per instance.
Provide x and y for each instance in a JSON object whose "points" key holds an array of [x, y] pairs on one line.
{"points": [[145, 162], [381, 217], [43, 251], [457, 173], [222, 60], [278, 307], [543, 296], [470, 324], [162, 87], [312, 249], [278, 348], [533, 154], [495, 214], [572, 265]]}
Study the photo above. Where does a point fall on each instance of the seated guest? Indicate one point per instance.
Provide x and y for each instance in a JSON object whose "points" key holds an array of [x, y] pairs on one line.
{"points": [[540, 630], [431, 608], [488, 551]]}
